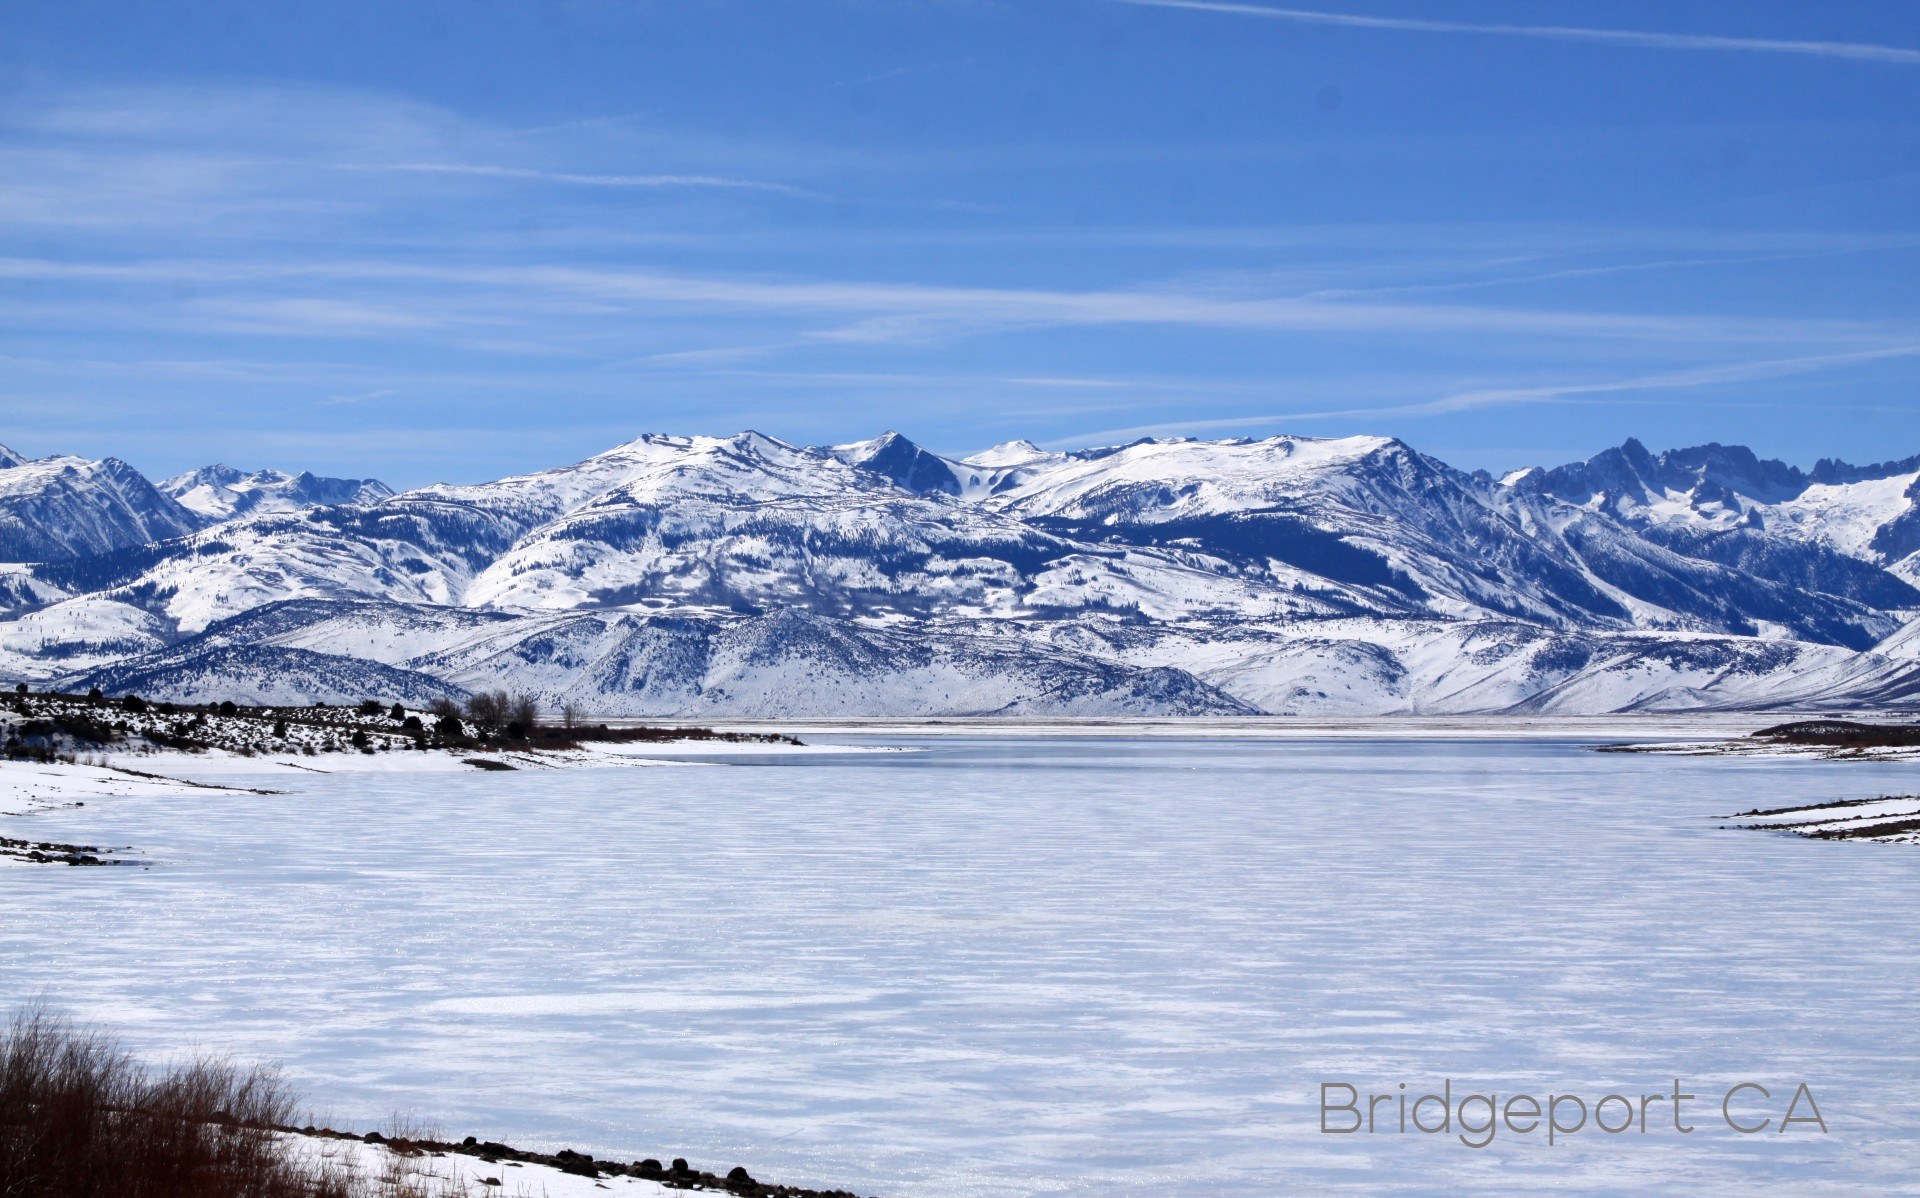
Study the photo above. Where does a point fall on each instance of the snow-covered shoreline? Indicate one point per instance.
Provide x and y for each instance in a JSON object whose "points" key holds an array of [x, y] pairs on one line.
{"points": [[1890, 819], [27, 787], [435, 1169], [1663, 726], [1774, 749], [1826, 739]]}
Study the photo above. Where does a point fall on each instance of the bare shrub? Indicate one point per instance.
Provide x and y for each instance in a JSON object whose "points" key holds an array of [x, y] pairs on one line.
{"points": [[522, 710], [498, 711], [489, 709], [79, 1118]]}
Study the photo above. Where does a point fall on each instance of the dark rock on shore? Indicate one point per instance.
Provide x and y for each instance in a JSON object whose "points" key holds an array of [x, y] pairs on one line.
{"points": [[47, 852], [679, 1176], [1843, 734]]}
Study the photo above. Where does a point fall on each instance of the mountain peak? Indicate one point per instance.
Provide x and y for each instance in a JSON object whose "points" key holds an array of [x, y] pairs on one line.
{"points": [[65, 507], [222, 492], [899, 459], [1007, 453], [1632, 473]]}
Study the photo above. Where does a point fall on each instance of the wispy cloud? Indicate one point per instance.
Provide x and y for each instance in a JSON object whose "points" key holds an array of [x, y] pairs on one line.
{"points": [[578, 178], [1701, 376], [973, 383], [1862, 51], [227, 162], [362, 397], [252, 246], [1571, 272], [880, 312]]}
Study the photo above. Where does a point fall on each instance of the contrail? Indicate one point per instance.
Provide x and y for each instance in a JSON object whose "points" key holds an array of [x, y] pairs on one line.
{"points": [[1864, 51]]}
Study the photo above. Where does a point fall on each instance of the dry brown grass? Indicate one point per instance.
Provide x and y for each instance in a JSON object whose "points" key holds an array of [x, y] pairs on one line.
{"points": [[79, 1118]]}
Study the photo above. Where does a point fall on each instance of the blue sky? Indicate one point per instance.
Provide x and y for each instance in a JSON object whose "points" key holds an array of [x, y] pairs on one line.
{"points": [[458, 240]]}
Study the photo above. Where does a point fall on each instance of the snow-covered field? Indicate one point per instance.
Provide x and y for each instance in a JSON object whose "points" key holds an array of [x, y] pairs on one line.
{"points": [[1055, 964]]}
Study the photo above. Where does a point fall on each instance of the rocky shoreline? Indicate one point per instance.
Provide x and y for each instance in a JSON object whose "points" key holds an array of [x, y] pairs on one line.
{"points": [[47, 852], [676, 1174], [1889, 819]]}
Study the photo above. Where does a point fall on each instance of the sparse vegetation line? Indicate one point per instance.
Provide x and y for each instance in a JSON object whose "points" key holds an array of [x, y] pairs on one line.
{"points": [[80, 1118], [1826, 738], [1897, 821], [57, 727], [1842, 734], [1816, 806]]}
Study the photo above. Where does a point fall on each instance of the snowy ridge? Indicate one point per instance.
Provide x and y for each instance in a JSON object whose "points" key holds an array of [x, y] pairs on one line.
{"points": [[60, 508], [220, 492], [745, 575]]}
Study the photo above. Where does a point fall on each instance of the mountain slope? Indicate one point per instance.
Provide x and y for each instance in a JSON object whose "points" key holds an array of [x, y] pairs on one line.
{"points": [[263, 676], [623, 663], [61, 508], [1712, 537], [744, 574]]}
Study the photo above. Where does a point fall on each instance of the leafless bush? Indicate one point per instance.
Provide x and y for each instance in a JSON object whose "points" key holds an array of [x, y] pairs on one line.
{"points": [[489, 708], [524, 712], [79, 1118], [498, 710]]}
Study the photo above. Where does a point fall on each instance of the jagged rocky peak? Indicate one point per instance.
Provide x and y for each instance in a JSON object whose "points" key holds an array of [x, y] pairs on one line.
{"points": [[220, 492], [905, 463], [9, 458], [1710, 474], [1730, 469], [1834, 472], [1727, 487]]}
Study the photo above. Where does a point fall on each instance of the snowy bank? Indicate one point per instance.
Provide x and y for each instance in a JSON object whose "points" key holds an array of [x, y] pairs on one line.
{"points": [[435, 1169], [1890, 819]]}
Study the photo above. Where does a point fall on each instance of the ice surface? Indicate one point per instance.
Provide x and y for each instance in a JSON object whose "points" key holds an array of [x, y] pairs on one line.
{"points": [[1043, 965]]}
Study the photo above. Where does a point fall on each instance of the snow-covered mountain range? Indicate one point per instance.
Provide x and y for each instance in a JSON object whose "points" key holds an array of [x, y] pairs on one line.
{"points": [[221, 492], [744, 575]]}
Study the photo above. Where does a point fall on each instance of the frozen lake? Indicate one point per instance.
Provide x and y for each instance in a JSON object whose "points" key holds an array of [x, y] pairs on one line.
{"points": [[1030, 966]]}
